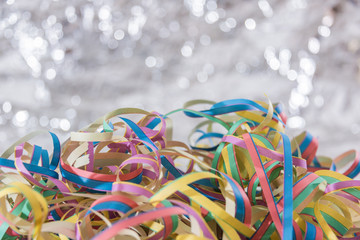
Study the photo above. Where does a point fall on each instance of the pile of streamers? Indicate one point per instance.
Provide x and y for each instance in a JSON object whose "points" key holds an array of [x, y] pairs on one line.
{"points": [[240, 178]]}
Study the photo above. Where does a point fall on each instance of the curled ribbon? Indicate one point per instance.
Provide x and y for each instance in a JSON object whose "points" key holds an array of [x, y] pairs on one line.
{"points": [[124, 177]]}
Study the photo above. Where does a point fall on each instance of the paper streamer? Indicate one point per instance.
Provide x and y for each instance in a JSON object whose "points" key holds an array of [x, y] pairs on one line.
{"points": [[124, 177]]}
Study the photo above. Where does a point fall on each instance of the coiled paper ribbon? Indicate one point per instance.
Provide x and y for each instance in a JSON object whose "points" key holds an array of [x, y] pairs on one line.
{"points": [[241, 178]]}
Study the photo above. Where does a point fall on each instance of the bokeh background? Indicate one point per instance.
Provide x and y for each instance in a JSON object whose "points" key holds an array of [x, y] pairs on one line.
{"points": [[65, 63]]}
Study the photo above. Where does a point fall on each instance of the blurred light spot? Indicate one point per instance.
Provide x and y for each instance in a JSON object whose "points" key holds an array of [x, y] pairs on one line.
{"points": [[20, 118], [105, 26], [324, 31], [228, 24], [314, 45], [209, 68], [250, 24], [296, 99], [269, 53], [295, 122], [241, 67], [41, 93], [211, 17], [44, 121], [54, 123], [196, 7], [58, 55], [50, 74], [105, 13], [26, 15], [202, 77], [221, 12], [137, 10], [328, 20], [34, 64], [70, 113], [274, 64], [285, 55], [186, 51], [299, 3], [38, 42], [70, 14], [112, 44], [7, 107], [65, 124], [183, 82], [284, 68], [150, 61], [88, 17], [75, 100], [211, 5], [304, 85], [51, 20], [223, 27], [231, 22], [308, 65], [205, 40], [119, 34], [135, 25], [10, 2], [265, 8], [292, 75], [12, 18]]}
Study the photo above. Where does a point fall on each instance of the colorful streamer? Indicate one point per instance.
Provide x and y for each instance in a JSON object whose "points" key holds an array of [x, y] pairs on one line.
{"points": [[124, 177]]}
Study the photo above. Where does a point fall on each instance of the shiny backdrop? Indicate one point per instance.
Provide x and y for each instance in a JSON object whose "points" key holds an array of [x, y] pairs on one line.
{"points": [[65, 63]]}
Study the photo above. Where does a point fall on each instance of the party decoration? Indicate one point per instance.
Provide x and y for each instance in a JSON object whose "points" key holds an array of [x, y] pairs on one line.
{"points": [[61, 55], [124, 177]]}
